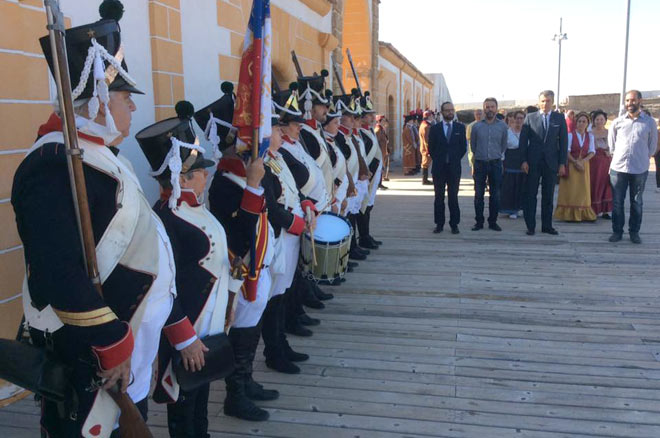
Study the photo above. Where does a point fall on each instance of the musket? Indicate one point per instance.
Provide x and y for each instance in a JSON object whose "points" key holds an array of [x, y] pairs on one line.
{"points": [[296, 64], [339, 82], [355, 75], [131, 423], [274, 84]]}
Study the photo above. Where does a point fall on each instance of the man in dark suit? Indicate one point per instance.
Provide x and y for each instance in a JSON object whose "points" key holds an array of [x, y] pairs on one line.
{"points": [[447, 146], [544, 151]]}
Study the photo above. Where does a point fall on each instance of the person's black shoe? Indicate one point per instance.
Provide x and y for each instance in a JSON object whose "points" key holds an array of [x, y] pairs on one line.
{"points": [[550, 231], [530, 232], [349, 269], [382, 187], [323, 296], [364, 242], [634, 238], [606, 216], [255, 391], [386, 179], [494, 227], [307, 320], [313, 303], [427, 183], [282, 365], [294, 356], [478, 227], [298, 330], [374, 241], [363, 250], [437, 230], [356, 255], [454, 230], [353, 264], [615, 237], [243, 408]]}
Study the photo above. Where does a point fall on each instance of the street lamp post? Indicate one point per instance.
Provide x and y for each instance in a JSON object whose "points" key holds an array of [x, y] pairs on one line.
{"points": [[625, 62], [559, 37]]}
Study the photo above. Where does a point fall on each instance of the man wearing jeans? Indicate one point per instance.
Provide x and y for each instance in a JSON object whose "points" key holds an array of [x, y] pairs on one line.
{"points": [[488, 143], [633, 140]]}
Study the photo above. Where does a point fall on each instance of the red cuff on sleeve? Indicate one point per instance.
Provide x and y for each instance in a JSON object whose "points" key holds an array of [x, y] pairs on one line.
{"points": [[252, 203], [179, 331], [298, 226], [115, 354], [307, 203]]}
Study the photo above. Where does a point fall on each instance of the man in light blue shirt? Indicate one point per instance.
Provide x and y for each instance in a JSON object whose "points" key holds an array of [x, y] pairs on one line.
{"points": [[633, 139]]}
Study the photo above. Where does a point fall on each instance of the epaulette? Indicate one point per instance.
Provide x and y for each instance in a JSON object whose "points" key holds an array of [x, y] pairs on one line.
{"points": [[274, 166]]}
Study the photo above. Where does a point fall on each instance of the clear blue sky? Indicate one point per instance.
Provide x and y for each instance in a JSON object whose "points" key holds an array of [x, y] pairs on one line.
{"points": [[504, 48]]}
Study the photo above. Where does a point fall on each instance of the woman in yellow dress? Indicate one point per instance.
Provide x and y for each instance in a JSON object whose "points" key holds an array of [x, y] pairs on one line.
{"points": [[574, 200]]}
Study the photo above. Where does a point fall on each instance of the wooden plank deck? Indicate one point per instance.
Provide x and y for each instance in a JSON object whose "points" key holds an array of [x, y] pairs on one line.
{"points": [[483, 334]]}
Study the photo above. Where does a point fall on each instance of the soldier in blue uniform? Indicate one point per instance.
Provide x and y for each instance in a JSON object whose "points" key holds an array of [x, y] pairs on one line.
{"points": [[114, 337], [236, 199], [203, 278]]}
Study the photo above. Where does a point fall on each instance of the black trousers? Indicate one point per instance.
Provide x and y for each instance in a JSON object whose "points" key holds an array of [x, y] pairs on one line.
{"points": [[657, 169], [446, 178], [188, 417], [540, 173]]}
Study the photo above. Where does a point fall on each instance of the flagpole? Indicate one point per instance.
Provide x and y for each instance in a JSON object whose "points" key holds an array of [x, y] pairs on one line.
{"points": [[257, 9], [625, 61]]}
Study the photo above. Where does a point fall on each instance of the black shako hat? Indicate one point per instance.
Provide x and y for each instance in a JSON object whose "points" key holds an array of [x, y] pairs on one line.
{"points": [[172, 148], [215, 119], [366, 104], [345, 104], [287, 105], [311, 90], [333, 112], [104, 39]]}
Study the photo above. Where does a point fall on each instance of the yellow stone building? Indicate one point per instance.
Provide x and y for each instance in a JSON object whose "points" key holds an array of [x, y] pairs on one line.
{"points": [[183, 49]]}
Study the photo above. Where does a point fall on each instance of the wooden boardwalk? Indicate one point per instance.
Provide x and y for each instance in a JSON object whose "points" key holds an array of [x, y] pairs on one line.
{"points": [[482, 334]]}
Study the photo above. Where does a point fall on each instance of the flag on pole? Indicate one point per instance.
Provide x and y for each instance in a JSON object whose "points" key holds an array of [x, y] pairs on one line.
{"points": [[253, 96]]}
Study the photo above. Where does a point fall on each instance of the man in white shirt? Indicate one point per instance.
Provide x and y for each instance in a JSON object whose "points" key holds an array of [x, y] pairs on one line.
{"points": [[633, 139]]}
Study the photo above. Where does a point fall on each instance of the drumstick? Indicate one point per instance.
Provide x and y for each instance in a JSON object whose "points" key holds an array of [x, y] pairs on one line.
{"points": [[311, 232]]}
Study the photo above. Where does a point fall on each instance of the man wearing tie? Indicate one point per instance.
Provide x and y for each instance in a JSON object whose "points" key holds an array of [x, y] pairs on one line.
{"points": [[447, 146], [544, 151]]}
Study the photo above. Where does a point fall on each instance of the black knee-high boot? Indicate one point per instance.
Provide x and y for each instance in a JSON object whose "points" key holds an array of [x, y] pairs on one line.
{"points": [[355, 252], [363, 229], [293, 356], [371, 238], [274, 349], [294, 308], [253, 390], [237, 404]]}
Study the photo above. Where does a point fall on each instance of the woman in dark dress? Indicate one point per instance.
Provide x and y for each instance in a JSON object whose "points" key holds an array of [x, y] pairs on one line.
{"points": [[601, 190], [514, 179]]}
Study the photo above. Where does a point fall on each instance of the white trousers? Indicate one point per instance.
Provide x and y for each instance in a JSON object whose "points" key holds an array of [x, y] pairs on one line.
{"points": [[249, 313], [290, 248]]}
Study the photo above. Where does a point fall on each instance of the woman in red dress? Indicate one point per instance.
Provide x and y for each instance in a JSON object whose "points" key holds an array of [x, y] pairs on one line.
{"points": [[601, 190]]}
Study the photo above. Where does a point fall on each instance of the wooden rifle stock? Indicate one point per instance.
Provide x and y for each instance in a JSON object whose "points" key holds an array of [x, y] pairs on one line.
{"points": [[296, 64], [131, 423], [355, 75]]}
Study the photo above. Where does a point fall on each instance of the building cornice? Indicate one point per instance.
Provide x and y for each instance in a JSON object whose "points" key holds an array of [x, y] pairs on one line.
{"points": [[321, 7], [389, 52]]}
